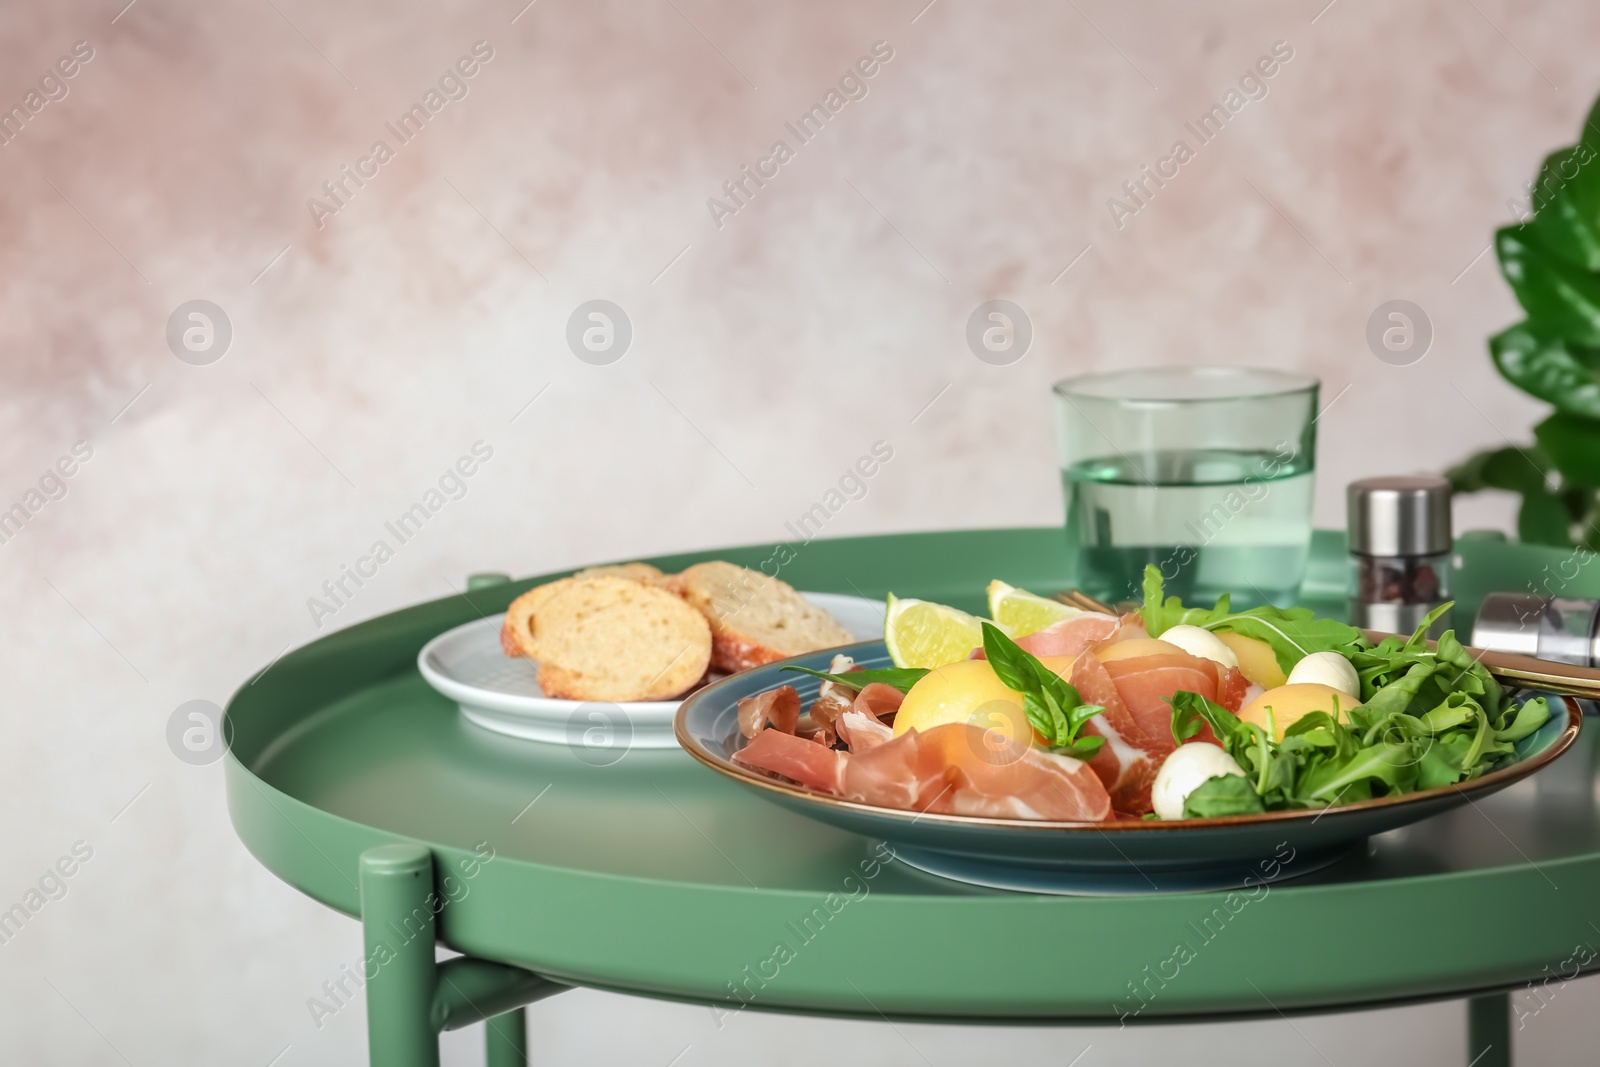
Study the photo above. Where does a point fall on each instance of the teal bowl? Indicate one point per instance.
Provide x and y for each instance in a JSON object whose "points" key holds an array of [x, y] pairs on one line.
{"points": [[1092, 858]]}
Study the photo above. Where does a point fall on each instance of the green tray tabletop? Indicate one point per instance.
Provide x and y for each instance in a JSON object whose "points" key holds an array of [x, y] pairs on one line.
{"points": [[655, 876]]}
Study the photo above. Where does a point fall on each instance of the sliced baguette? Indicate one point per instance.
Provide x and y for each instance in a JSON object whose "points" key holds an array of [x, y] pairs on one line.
{"points": [[516, 633], [755, 619], [515, 637], [610, 638], [639, 572]]}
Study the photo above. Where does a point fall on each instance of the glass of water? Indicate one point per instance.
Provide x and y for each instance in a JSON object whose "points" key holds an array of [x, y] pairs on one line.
{"points": [[1204, 471]]}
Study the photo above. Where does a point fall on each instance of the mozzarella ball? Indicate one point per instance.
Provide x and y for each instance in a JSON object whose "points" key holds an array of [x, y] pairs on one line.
{"points": [[1329, 669], [1184, 770], [1202, 643]]}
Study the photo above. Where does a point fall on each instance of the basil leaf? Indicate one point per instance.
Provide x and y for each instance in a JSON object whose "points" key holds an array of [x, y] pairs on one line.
{"points": [[1083, 748], [1226, 794], [1053, 706], [1011, 664], [901, 678]]}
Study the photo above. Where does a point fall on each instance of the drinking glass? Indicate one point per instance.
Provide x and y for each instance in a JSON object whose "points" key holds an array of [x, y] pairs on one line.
{"points": [[1207, 472]]}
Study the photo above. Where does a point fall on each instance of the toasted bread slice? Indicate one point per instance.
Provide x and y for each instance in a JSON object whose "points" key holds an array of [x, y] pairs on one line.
{"points": [[610, 638], [755, 619], [515, 637], [639, 572], [516, 633]]}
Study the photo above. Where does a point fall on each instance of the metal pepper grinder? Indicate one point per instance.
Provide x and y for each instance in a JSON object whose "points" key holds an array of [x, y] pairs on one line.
{"points": [[1400, 548], [1565, 629]]}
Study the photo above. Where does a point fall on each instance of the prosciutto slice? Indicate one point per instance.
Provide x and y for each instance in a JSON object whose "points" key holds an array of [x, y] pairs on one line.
{"points": [[833, 700], [1233, 689], [878, 702], [889, 775], [1005, 781], [1137, 722], [862, 732], [779, 708], [957, 769], [1071, 636], [812, 765], [1128, 761]]}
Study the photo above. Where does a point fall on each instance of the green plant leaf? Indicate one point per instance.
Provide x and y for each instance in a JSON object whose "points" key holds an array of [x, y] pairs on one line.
{"points": [[1573, 444], [1548, 367], [1562, 298], [1558, 198], [1543, 520], [1512, 468]]}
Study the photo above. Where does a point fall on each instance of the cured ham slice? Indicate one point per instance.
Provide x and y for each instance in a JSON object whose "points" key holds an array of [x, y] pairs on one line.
{"points": [[1071, 636], [1009, 781], [862, 732], [954, 769], [812, 765], [1145, 683], [832, 701], [779, 708], [1128, 761], [878, 702], [1137, 722], [1233, 689], [889, 776]]}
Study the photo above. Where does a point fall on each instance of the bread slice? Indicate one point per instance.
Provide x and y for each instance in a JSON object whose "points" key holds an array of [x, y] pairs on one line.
{"points": [[515, 637], [610, 638], [639, 572], [755, 619], [516, 633]]}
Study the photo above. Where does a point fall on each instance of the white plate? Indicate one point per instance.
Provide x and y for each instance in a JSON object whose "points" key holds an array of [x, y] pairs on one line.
{"points": [[501, 693]]}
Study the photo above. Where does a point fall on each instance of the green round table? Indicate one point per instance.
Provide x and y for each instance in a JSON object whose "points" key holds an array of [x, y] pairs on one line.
{"points": [[360, 786]]}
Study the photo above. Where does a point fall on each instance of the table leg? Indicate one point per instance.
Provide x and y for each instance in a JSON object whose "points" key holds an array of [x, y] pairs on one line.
{"points": [[506, 1039], [397, 924], [1489, 1031], [410, 998]]}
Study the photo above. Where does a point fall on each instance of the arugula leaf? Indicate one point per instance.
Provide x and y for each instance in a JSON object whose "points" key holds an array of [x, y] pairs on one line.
{"points": [[1393, 763], [1529, 717], [1052, 705], [1293, 633], [1191, 710], [1443, 762], [902, 678], [1226, 794]]}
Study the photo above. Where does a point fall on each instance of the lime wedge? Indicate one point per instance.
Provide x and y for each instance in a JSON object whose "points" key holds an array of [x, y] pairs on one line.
{"points": [[1021, 613], [920, 633]]}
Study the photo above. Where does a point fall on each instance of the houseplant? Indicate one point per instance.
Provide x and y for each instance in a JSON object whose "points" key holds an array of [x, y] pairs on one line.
{"points": [[1551, 258]]}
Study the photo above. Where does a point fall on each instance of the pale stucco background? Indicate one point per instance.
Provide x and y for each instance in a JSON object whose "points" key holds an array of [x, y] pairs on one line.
{"points": [[368, 353]]}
